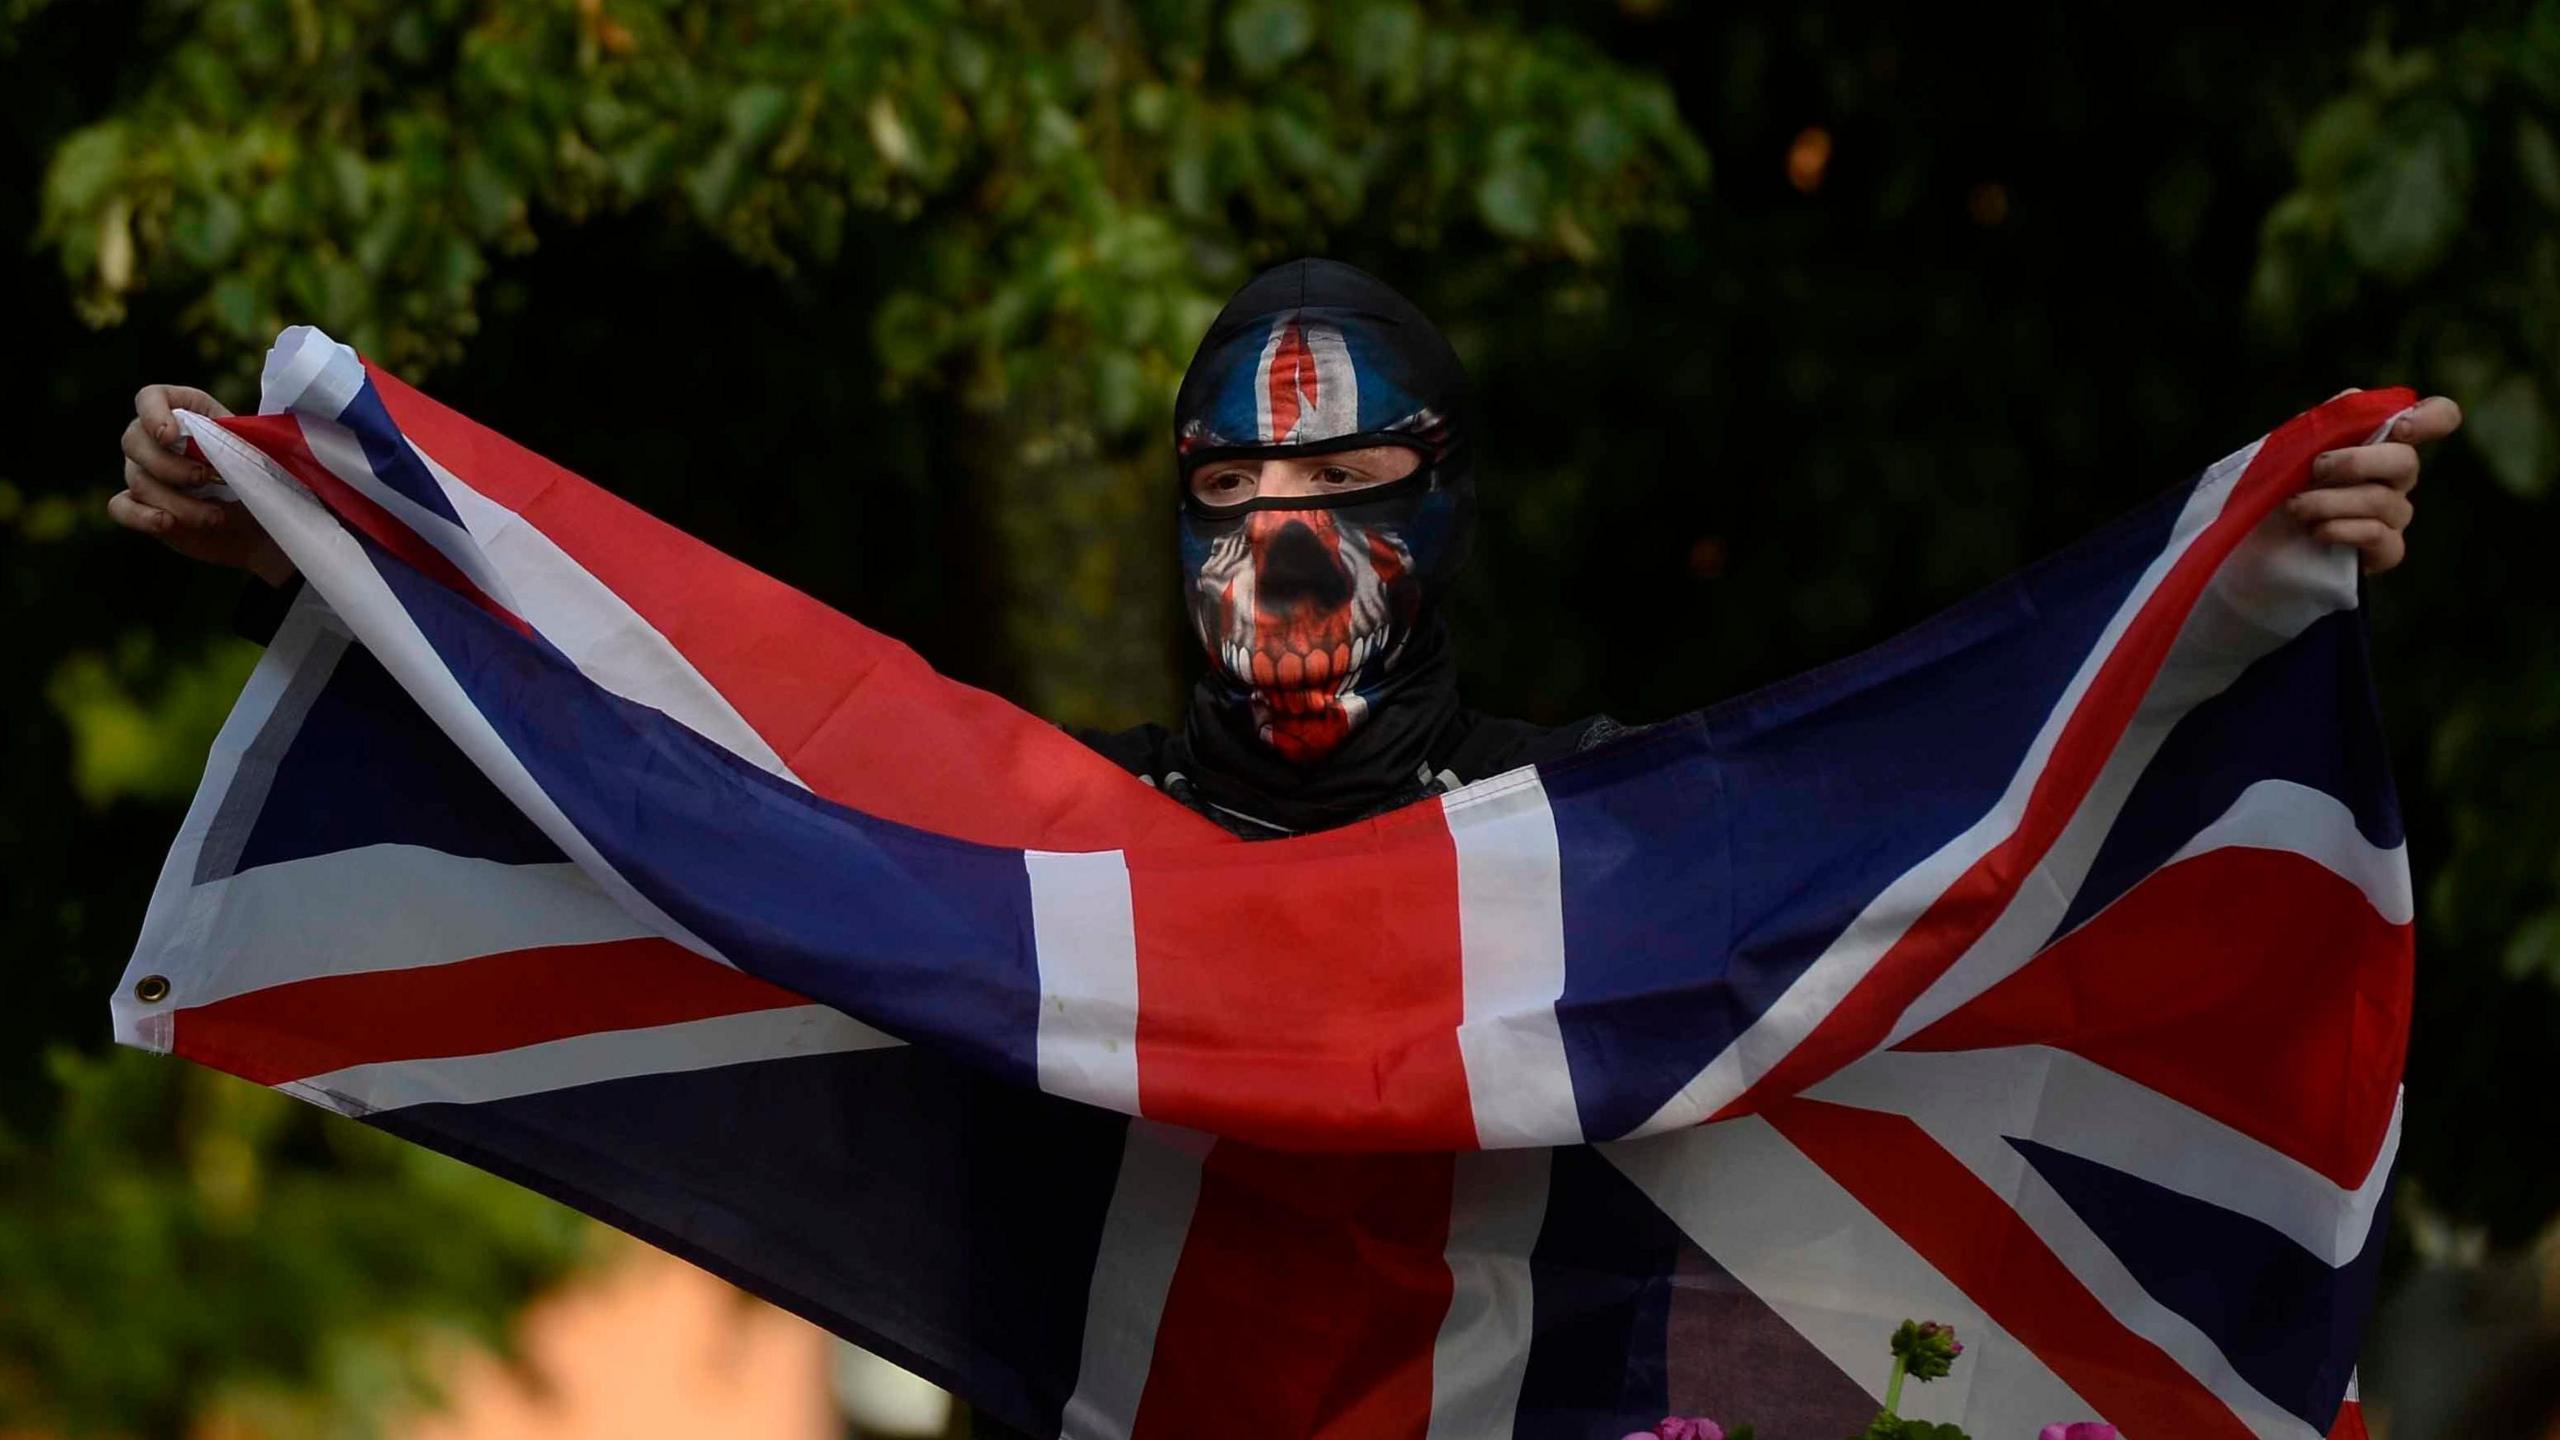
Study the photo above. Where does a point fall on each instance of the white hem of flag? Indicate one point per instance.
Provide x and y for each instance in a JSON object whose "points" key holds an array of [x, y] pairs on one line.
{"points": [[166, 947]]}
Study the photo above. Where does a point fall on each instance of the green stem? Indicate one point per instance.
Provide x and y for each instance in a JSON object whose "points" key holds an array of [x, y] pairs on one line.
{"points": [[1893, 1390]]}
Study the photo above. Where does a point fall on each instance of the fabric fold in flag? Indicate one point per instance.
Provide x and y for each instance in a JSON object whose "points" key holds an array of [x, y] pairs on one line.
{"points": [[663, 889]]}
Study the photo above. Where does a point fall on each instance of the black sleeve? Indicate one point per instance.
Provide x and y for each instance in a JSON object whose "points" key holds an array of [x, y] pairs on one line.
{"points": [[1493, 744], [261, 607], [1601, 729], [1138, 750]]}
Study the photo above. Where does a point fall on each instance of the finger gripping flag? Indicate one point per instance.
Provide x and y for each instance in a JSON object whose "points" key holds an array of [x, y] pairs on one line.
{"points": [[2044, 970]]}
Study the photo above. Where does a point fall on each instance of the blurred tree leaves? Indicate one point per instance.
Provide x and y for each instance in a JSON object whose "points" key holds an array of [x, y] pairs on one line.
{"points": [[140, 726], [2438, 164], [1085, 185], [185, 1243]]}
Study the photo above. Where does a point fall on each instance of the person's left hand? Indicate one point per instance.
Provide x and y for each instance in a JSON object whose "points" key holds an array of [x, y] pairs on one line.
{"points": [[2360, 496]]}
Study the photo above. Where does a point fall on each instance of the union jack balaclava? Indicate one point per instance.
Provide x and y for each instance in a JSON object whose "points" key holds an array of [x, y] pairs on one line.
{"points": [[1321, 615]]}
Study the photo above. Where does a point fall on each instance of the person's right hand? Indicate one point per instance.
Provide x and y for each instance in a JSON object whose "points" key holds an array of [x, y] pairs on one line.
{"points": [[158, 476]]}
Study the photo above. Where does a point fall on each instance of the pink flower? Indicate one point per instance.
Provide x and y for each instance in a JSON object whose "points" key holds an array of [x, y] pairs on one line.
{"points": [[1681, 1427], [2079, 1430]]}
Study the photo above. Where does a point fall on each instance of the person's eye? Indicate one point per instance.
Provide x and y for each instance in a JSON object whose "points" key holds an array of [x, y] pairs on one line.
{"points": [[1336, 475]]}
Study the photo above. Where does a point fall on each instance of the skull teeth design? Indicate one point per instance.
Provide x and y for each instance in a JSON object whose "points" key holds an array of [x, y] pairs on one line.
{"points": [[1298, 608]]}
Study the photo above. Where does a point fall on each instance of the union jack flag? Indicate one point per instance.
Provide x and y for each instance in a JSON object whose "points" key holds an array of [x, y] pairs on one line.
{"points": [[2044, 971]]}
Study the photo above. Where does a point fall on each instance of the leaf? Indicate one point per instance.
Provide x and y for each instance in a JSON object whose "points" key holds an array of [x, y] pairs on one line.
{"points": [[208, 232], [84, 167], [2467, 361], [1264, 35], [2336, 135], [909, 333], [2513, 432], [1889, 1427], [1149, 106], [1186, 173], [2405, 204], [2535, 949], [1515, 192], [756, 112], [2179, 196], [1300, 145], [238, 306], [1385, 40], [487, 197], [714, 183], [1601, 139], [2537, 56], [140, 728], [1119, 391], [889, 134], [2538, 160]]}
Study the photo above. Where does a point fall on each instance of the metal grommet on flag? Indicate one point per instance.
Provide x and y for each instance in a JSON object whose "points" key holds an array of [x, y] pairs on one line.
{"points": [[151, 989]]}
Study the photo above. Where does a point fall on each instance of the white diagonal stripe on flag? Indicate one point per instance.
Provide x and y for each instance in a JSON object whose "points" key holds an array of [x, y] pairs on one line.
{"points": [[2239, 620], [1497, 1202], [704, 1044], [1885, 919], [586, 620], [1511, 938], [341, 454], [1777, 1223], [1142, 1238], [1973, 1102], [1087, 939]]}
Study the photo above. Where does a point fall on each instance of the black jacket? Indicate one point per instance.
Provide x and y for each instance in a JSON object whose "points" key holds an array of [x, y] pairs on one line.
{"points": [[1472, 746]]}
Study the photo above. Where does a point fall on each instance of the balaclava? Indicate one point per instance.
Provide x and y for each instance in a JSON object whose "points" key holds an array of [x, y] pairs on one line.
{"points": [[1329, 666]]}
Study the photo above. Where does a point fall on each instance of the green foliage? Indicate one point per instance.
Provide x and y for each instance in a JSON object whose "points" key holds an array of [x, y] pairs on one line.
{"points": [[1083, 185], [180, 1241], [140, 725], [1887, 1427], [2437, 167], [2499, 889]]}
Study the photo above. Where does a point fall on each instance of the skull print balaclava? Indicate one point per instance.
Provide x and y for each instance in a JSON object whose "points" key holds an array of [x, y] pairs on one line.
{"points": [[1329, 667]]}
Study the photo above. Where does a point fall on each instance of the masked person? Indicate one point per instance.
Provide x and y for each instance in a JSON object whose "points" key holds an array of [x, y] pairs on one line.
{"points": [[1325, 462], [1325, 458]]}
